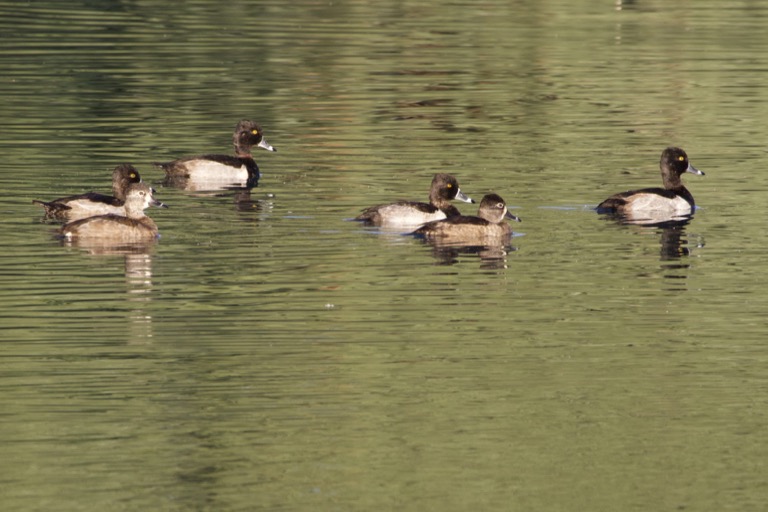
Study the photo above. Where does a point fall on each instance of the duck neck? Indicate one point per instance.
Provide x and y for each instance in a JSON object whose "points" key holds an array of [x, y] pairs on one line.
{"points": [[133, 211], [449, 210], [242, 152], [119, 187], [683, 192], [671, 177]]}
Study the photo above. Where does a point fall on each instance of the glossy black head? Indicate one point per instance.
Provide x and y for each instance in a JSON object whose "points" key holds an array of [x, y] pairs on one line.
{"points": [[675, 160], [445, 188], [247, 135], [123, 176]]}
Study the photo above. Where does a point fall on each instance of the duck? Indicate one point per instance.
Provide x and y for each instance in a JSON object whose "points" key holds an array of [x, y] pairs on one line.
{"points": [[134, 226], [443, 189], [671, 201], [81, 206], [212, 171], [488, 226]]}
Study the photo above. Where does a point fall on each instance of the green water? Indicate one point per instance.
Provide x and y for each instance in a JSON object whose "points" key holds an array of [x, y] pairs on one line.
{"points": [[268, 354]]}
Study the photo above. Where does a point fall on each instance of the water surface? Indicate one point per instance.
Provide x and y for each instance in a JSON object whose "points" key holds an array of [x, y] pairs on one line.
{"points": [[269, 354]]}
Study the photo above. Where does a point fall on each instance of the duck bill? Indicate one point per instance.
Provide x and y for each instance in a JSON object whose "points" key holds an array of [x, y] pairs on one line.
{"points": [[461, 196], [155, 202], [265, 145], [513, 217], [691, 169]]}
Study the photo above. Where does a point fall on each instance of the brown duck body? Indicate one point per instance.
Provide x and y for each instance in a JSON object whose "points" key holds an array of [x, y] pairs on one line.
{"points": [[112, 227], [135, 226], [487, 228]]}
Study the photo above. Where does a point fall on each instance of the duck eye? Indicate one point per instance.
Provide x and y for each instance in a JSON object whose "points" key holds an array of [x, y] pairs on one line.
{"points": [[681, 158], [133, 175], [255, 131], [448, 185]]}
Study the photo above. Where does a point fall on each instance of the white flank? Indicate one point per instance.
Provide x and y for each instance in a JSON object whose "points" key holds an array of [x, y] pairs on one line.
{"points": [[659, 205], [213, 175]]}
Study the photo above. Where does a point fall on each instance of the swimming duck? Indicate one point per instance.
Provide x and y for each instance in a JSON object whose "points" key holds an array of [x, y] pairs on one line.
{"points": [[674, 200], [488, 226], [134, 226], [444, 188], [210, 172], [80, 206]]}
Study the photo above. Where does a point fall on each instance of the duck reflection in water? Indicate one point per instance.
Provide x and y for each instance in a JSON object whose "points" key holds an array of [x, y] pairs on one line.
{"points": [[673, 243], [137, 268], [674, 249], [490, 257], [673, 240], [138, 278], [488, 234], [245, 202]]}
